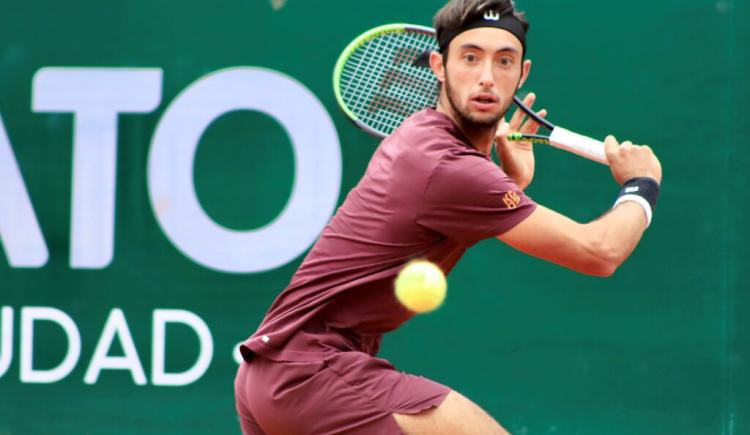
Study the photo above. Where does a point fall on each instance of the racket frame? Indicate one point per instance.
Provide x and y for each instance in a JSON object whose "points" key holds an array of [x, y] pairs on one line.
{"points": [[351, 48]]}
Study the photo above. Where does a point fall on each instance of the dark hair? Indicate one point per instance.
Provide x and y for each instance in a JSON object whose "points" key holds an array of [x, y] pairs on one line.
{"points": [[454, 14]]}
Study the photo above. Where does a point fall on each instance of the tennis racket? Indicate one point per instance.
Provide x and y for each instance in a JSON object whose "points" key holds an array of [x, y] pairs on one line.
{"points": [[380, 79]]}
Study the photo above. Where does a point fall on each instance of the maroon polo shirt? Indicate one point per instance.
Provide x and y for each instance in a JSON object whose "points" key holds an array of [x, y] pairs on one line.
{"points": [[426, 194]]}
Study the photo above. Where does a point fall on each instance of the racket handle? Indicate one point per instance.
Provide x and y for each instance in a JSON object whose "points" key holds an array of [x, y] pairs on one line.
{"points": [[584, 146]]}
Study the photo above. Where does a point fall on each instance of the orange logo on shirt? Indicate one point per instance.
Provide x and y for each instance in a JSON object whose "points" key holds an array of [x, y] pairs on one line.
{"points": [[511, 200]]}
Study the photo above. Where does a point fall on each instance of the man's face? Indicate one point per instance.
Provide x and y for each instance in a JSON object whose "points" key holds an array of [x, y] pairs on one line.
{"points": [[485, 67]]}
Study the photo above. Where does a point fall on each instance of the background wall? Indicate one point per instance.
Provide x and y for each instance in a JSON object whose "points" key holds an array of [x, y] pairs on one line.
{"points": [[660, 348]]}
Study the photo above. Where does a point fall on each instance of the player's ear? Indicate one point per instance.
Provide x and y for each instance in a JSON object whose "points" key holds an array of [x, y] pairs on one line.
{"points": [[525, 69], [437, 66]]}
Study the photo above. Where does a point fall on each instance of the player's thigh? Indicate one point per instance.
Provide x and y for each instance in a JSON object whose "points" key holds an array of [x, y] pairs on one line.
{"points": [[456, 415]]}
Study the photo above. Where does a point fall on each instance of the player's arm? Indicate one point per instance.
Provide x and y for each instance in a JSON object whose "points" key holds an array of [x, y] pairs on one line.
{"points": [[596, 248], [601, 246]]}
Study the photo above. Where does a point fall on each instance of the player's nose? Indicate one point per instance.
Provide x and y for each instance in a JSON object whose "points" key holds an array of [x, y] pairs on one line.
{"points": [[486, 79]]}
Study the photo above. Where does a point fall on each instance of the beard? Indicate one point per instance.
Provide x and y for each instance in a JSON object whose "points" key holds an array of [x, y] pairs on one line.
{"points": [[470, 121]]}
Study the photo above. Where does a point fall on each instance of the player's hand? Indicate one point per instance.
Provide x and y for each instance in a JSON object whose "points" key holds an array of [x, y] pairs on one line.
{"points": [[517, 157], [628, 161]]}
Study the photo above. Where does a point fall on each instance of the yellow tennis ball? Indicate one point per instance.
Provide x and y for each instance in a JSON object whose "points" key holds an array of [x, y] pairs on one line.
{"points": [[421, 286]]}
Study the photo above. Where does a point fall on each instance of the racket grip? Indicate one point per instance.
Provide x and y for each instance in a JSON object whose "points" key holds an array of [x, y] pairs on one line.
{"points": [[584, 146]]}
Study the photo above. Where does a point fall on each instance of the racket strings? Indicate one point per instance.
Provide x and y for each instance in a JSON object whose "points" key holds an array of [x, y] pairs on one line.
{"points": [[369, 102], [380, 84]]}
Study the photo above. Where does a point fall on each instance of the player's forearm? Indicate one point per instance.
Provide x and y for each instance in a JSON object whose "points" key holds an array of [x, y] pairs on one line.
{"points": [[614, 236], [597, 248]]}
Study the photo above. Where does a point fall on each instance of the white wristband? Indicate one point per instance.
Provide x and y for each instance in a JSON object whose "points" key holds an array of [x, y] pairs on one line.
{"points": [[641, 201]]}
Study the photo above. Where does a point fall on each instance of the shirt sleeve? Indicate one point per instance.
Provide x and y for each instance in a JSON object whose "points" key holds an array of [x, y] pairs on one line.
{"points": [[469, 198]]}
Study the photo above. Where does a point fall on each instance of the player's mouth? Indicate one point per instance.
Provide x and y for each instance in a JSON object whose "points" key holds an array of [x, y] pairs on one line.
{"points": [[485, 101]]}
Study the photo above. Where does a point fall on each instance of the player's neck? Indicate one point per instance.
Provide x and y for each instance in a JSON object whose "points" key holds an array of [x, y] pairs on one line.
{"points": [[480, 139]]}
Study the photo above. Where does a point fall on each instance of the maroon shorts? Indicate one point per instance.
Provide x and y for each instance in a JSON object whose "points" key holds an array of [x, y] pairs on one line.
{"points": [[349, 392]]}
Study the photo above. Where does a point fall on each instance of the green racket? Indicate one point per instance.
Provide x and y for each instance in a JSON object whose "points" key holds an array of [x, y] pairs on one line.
{"points": [[375, 79], [380, 79]]}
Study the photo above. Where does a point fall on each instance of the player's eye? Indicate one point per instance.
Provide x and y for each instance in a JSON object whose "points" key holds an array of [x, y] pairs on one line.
{"points": [[470, 58], [506, 61]]}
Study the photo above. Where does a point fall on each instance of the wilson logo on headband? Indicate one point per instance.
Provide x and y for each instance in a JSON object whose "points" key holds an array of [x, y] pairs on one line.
{"points": [[491, 15]]}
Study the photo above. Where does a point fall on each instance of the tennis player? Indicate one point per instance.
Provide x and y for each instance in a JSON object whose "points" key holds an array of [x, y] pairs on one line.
{"points": [[430, 191]]}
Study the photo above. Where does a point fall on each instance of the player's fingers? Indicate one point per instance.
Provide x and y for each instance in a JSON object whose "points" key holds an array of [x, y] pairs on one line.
{"points": [[503, 130], [529, 99], [610, 145], [517, 119], [531, 126]]}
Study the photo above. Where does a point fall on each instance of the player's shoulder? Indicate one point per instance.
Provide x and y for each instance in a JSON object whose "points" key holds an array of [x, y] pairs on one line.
{"points": [[467, 179], [429, 125], [468, 170], [428, 144], [432, 133]]}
